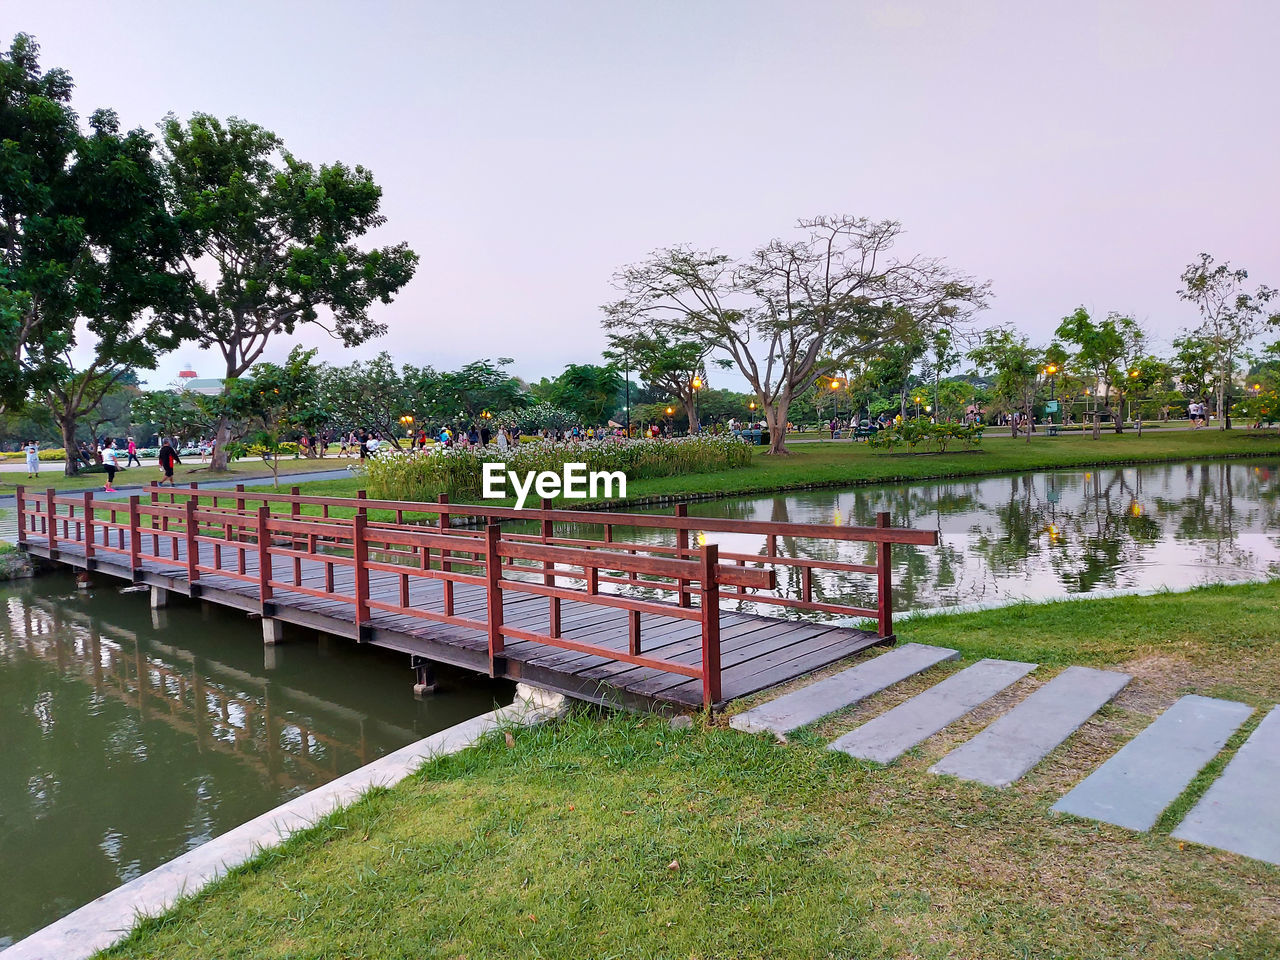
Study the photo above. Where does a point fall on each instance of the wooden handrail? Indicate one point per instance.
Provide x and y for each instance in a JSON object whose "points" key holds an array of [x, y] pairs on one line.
{"points": [[535, 563]]}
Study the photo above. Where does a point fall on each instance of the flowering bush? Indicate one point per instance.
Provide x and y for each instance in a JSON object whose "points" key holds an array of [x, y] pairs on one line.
{"points": [[422, 475]]}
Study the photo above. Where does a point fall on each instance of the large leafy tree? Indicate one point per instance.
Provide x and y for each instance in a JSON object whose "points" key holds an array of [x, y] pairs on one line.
{"points": [[1193, 364], [1231, 317], [272, 242], [374, 394], [794, 309], [588, 390], [671, 366], [87, 245], [278, 402], [1107, 350], [479, 387], [1017, 368]]}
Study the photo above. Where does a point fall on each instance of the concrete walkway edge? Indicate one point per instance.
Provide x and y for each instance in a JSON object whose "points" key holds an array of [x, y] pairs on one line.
{"points": [[103, 921]]}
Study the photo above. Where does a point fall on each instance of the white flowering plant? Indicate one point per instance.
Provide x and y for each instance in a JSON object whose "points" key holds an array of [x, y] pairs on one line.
{"points": [[422, 475]]}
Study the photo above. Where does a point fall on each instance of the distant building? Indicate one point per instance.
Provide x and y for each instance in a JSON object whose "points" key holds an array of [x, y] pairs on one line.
{"points": [[208, 386]]}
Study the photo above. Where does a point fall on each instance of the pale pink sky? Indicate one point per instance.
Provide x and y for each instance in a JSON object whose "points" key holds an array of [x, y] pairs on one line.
{"points": [[1071, 153]]}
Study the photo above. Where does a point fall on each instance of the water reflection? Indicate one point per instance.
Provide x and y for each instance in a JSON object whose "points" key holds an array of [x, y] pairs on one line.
{"points": [[1030, 536], [127, 741]]}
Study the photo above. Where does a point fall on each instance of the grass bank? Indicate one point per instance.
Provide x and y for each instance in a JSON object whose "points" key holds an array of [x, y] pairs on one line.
{"points": [[619, 837], [843, 463]]}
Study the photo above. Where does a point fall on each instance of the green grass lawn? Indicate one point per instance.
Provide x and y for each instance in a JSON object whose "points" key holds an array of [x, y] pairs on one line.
{"points": [[843, 463], [615, 836]]}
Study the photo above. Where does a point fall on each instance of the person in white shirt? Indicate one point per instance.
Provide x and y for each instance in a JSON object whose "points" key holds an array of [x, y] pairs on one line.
{"points": [[111, 460], [372, 444]]}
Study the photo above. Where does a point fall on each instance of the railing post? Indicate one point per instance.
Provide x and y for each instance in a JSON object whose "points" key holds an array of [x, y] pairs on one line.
{"points": [[682, 548], [135, 537], [193, 548], [548, 576], [710, 627], [295, 511], [446, 586], [88, 529], [51, 511], [239, 498], [264, 558], [493, 573], [19, 500], [884, 581], [360, 553]]}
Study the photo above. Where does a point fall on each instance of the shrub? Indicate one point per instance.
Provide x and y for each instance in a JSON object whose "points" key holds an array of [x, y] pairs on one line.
{"points": [[422, 475], [919, 436]]}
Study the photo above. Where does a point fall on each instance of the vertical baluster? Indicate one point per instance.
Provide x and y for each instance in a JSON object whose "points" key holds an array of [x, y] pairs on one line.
{"points": [[711, 693], [88, 530], [682, 550], [493, 574], [360, 552], [548, 532], [884, 581]]}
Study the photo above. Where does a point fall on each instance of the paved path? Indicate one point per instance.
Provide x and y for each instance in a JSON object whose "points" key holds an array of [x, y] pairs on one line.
{"points": [[1135, 786], [892, 734], [125, 489], [1241, 810], [809, 703], [1006, 750]]}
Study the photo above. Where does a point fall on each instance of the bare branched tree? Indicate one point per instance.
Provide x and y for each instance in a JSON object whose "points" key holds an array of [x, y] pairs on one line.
{"points": [[795, 309]]}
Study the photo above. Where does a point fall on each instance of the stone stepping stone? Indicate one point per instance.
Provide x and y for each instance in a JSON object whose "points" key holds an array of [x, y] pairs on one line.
{"points": [[1239, 812], [896, 731], [1015, 743], [1151, 770], [807, 704]]}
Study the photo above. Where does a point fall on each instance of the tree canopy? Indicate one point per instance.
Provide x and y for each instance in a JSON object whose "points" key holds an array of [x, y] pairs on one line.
{"points": [[271, 241]]}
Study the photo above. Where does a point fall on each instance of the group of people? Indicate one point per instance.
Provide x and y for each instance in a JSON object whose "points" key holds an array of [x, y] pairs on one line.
{"points": [[108, 453]]}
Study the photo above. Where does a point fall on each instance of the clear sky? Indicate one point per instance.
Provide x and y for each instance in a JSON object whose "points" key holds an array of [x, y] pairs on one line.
{"points": [[1077, 153]]}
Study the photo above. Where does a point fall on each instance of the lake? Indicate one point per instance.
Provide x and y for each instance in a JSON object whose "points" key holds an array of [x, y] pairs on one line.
{"points": [[130, 736]]}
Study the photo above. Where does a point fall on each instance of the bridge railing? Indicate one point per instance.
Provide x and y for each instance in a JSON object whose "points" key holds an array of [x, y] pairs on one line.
{"points": [[239, 536]]}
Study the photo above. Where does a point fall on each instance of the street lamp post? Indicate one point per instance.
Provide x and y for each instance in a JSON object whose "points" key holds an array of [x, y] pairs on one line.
{"points": [[407, 423], [697, 386]]}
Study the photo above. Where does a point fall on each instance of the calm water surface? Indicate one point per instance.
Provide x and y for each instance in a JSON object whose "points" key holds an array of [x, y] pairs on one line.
{"points": [[1034, 536], [127, 737], [127, 740]]}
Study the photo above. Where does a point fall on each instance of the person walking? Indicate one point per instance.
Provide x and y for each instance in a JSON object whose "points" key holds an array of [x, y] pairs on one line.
{"points": [[110, 460], [32, 450], [168, 457], [133, 454]]}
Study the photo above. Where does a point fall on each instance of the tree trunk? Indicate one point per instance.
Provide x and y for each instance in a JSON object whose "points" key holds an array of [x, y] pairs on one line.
{"points": [[68, 425], [221, 437], [691, 412], [776, 417]]}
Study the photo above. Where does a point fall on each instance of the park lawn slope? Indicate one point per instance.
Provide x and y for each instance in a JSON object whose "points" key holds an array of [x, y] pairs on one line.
{"points": [[844, 463], [615, 836]]}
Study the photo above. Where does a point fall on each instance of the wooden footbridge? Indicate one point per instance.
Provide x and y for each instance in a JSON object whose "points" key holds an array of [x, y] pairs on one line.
{"points": [[523, 594]]}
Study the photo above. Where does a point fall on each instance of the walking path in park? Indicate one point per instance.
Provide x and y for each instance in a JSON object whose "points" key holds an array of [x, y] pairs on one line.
{"points": [[1131, 789], [9, 519]]}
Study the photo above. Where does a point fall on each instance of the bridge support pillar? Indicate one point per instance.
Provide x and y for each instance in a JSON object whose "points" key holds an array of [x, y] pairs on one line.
{"points": [[424, 677], [159, 598], [272, 631]]}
